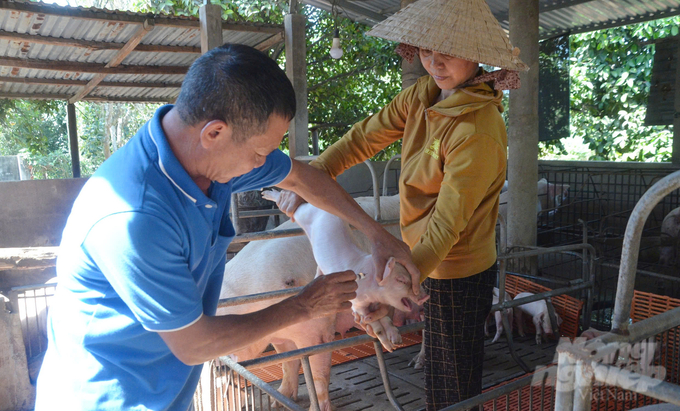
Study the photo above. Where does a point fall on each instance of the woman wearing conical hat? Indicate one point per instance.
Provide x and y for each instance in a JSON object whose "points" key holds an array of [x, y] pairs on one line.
{"points": [[454, 151]]}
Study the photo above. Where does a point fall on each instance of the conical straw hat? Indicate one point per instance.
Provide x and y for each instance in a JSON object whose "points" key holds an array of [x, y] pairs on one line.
{"points": [[461, 28]]}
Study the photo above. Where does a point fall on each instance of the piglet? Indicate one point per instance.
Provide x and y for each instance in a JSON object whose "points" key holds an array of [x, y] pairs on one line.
{"points": [[538, 311], [498, 317], [335, 251]]}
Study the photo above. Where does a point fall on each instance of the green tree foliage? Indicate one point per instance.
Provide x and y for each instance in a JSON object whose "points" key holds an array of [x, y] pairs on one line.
{"points": [[340, 92], [610, 73], [345, 91], [105, 127], [610, 81], [36, 130]]}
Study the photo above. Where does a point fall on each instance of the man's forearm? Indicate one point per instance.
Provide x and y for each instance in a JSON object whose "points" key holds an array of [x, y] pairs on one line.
{"points": [[320, 190], [212, 337]]}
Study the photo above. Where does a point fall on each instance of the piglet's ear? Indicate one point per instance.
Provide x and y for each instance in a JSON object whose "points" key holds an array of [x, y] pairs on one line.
{"points": [[389, 267], [318, 272]]}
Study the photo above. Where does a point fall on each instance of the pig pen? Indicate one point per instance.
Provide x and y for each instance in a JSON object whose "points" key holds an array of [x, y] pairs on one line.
{"points": [[601, 197], [386, 381]]}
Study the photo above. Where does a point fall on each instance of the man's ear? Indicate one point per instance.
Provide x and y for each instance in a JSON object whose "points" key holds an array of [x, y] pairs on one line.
{"points": [[215, 133]]}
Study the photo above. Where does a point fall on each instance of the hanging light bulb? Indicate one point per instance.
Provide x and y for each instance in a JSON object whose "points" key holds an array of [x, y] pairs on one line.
{"points": [[336, 51]]}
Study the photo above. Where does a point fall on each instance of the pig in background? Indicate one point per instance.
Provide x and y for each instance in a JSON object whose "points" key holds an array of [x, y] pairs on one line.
{"points": [[281, 263], [550, 197], [538, 312], [669, 252]]}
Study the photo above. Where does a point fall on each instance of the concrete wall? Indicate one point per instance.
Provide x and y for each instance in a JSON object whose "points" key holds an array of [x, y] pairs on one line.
{"points": [[16, 391], [34, 212], [12, 168]]}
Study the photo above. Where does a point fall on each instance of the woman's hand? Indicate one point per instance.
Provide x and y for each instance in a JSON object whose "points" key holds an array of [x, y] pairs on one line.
{"points": [[289, 202], [386, 246]]}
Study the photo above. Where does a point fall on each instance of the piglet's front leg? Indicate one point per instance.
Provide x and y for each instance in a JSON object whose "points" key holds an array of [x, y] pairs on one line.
{"points": [[384, 329]]}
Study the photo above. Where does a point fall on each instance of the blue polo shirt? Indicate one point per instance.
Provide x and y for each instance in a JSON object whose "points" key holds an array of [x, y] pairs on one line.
{"points": [[143, 250]]}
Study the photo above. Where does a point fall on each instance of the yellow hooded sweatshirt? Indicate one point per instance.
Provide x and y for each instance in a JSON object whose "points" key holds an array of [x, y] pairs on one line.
{"points": [[454, 156]]}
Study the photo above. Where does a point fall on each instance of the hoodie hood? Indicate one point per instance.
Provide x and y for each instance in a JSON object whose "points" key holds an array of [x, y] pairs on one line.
{"points": [[463, 101]]}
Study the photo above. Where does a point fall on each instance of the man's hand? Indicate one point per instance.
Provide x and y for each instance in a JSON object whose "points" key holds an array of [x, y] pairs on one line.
{"points": [[328, 294], [377, 311], [386, 246], [289, 202]]}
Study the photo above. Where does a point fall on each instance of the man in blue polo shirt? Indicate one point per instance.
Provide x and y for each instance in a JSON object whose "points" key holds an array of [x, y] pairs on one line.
{"points": [[144, 249]]}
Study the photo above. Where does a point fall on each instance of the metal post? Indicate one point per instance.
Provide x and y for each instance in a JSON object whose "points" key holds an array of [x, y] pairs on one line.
{"points": [[296, 69], [73, 139], [385, 377], [523, 128], [309, 380], [675, 156]]}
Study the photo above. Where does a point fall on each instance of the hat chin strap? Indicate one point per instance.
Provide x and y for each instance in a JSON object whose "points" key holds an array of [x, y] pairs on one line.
{"points": [[503, 79]]}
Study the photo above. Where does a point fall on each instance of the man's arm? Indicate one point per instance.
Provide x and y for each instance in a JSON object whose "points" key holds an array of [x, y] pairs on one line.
{"points": [[320, 190], [211, 337]]}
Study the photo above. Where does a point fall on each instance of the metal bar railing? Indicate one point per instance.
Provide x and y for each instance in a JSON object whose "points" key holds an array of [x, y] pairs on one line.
{"points": [[322, 348], [504, 390], [385, 174], [580, 364], [255, 380], [631, 248]]}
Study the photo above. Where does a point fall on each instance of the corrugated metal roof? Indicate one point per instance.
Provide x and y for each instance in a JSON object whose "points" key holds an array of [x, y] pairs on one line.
{"points": [[49, 51], [557, 17]]}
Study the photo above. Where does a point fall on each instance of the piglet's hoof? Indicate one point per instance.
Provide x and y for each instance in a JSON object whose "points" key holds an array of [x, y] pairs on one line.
{"points": [[417, 361]]}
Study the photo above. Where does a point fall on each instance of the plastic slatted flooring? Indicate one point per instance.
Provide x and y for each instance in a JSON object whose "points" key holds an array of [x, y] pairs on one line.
{"points": [[357, 385]]}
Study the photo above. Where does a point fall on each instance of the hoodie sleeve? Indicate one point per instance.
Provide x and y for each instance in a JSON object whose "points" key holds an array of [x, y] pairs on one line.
{"points": [[470, 169], [367, 137]]}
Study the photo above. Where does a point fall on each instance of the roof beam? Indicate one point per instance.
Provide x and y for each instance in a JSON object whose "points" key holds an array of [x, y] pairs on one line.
{"points": [[66, 82], [136, 38], [95, 45], [89, 67], [546, 7], [270, 42], [369, 14], [161, 20], [47, 96], [612, 23]]}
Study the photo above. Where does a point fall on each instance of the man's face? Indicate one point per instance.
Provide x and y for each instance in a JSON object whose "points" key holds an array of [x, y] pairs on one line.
{"points": [[239, 158]]}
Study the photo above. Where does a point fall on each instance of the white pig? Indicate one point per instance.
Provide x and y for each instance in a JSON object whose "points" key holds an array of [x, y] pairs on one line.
{"points": [[281, 263], [497, 316], [334, 250], [538, 311], [549, 197], [669, 253]]}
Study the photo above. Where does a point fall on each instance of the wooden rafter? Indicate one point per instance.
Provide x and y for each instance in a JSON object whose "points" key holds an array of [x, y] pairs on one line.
{"points": [[89, 67], [142, 30], [47, 96], [126, 17], [270, 42], [94, 45], [67, 82]]}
